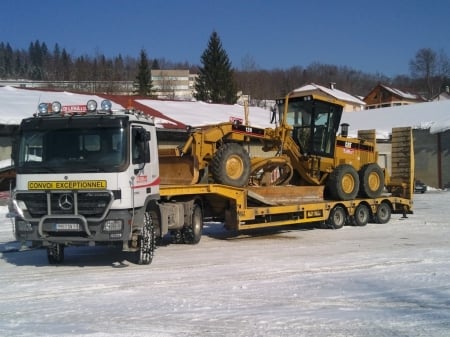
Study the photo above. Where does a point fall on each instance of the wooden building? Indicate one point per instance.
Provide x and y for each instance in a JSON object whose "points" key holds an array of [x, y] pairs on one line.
{"points": [[383, 96]]}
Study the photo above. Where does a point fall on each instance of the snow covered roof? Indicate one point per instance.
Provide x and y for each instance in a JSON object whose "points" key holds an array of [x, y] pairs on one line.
{"points": [[17, 104], [431, 115], [336, 93], [201, 113], [403, 94]]}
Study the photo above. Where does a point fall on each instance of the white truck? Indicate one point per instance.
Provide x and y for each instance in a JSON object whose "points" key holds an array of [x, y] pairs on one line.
{"points": [[86, 175]]}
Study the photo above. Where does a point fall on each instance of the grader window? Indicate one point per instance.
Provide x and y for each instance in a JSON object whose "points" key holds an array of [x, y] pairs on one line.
{"points": [[314, 125]]}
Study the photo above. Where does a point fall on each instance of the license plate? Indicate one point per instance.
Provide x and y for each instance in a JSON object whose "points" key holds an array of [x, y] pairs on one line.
{"points": [[67, 227]]}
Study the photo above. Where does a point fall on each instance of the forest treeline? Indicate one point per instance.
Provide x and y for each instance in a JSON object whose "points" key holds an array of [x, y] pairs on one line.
{"points": [[40, 63]]}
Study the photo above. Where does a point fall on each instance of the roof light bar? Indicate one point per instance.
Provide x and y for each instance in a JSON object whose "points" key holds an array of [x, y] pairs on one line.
{"points": [[55, 108]]}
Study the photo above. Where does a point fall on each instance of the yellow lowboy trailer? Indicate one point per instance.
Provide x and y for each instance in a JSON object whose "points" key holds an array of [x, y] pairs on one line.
{"points": [[250, 208]]}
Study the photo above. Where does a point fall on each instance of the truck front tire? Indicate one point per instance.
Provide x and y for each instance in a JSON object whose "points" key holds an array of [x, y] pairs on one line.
{"points": [[55, 253], [147, 241]]}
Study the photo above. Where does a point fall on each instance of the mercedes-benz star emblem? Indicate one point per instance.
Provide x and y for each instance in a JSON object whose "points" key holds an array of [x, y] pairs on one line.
{"points": [[65, 202]]}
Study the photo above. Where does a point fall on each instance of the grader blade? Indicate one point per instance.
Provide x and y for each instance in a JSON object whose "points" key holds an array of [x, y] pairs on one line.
{"points": [[284, 195], [178, 170]]}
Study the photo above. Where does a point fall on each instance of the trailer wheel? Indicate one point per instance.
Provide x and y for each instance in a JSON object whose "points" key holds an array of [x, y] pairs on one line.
{"points": [[361, 216], [337, 218], [147, 241], [231, 165], [383, 214], [343, 183], [193, 233], [371, 179], [55, 253]]}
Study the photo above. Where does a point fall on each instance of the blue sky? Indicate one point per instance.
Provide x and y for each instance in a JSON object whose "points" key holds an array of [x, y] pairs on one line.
{"points": [[372, 36]]}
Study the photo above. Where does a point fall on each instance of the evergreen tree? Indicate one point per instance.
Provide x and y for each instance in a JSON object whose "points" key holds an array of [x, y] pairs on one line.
{"points": [[215, 82], [155, 65], [8, 60], [66, 64], [143, 81]]}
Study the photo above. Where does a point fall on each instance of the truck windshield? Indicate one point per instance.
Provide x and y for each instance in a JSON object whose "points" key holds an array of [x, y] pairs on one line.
{"points": [[71, 150]]}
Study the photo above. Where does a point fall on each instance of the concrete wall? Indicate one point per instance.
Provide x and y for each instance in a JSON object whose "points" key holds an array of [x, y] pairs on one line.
{"points": [[426, 157], [445, 158], [432, 156]]}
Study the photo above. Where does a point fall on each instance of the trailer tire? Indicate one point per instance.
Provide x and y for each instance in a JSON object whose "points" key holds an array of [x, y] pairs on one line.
{"points": [[337, 218], [371, 178], [193, 232], [383, 214], [343, 183], [361, 216], [55, 253], [231, 165]]}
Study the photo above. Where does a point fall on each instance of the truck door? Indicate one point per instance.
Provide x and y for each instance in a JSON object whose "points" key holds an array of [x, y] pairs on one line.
{"points": [[143, 163]]}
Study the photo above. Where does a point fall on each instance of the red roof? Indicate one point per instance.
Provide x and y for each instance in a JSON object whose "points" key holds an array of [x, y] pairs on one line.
{"points": [[128, 101]]}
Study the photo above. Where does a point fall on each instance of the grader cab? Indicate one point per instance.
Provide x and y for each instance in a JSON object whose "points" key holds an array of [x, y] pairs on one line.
{"points": [[303, 149]]}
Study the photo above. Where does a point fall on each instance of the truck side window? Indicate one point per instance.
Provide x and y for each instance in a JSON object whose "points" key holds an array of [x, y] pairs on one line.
{"points": [[140, 147]]}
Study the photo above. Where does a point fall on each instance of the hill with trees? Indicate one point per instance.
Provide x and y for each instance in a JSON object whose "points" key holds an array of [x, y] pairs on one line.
{"points": [[430, 71]]}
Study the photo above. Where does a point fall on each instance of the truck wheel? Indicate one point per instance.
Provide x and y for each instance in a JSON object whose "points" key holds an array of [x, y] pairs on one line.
{"points": [[371, 178], [343, 183], [193, 233], [337, 218], [231, 165], [55, 253], [147, 241], [383, 214], [361, 216]]}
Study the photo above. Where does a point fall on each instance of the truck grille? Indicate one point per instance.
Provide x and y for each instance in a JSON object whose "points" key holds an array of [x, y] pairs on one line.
{"points": [[90, 204]]}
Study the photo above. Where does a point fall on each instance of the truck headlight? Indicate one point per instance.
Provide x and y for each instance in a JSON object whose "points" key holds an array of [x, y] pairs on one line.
{"points": [[114, 225], [17, 208]]}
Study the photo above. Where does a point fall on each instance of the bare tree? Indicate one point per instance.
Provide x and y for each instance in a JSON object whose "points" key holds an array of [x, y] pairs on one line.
{"points": [[432, 68]]}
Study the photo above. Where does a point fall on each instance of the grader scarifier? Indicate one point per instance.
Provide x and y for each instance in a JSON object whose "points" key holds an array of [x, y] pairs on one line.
{"points": [[304, 149]]}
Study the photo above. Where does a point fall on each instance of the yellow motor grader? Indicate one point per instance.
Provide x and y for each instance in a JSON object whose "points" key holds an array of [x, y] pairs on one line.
{"points": [[303, 149]]}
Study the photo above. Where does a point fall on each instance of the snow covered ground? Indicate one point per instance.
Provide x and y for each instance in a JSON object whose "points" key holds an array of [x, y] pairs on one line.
{"points": [[378, 280]]}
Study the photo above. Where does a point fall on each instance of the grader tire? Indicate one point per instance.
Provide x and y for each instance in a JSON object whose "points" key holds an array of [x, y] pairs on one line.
{"points": [[371, 178], [231, 165], [343, 183]]}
